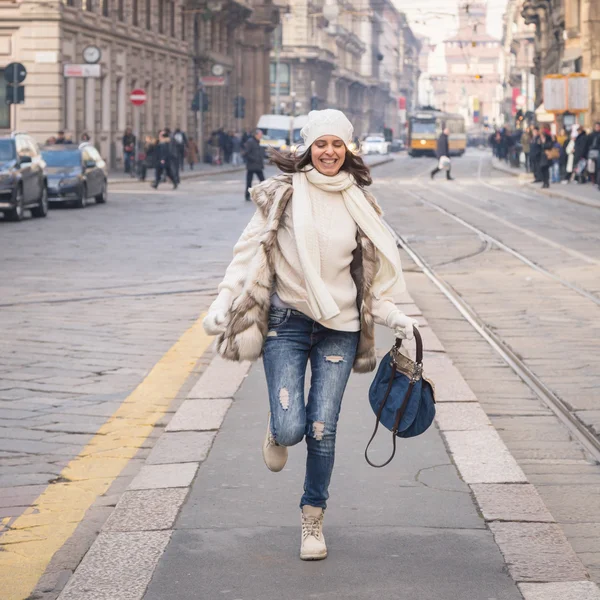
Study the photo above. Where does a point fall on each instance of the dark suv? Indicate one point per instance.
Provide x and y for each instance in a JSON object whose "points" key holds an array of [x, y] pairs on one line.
{"points": [[23, 182]]}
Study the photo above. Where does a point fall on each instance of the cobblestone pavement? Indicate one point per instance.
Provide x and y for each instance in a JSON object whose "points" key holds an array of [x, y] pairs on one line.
{"points": [[92, 299]]}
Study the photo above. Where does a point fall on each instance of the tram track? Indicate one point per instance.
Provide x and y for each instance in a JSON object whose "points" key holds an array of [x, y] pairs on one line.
{"points": [[484, 236], [580, 432]]}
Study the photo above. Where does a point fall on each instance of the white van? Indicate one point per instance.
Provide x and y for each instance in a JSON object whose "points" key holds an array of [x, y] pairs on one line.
{"points": [[276, 131], [297, 144]]}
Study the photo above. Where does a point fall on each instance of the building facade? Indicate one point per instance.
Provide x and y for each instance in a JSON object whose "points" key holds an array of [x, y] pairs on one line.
{"points": [[518, 56], [567, 40], [161, 46], [345, 55], [473, 85]]}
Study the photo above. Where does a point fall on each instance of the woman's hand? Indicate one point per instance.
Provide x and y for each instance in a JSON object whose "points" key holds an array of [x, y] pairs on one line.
{"points": [[215, 322], [402, 325]]}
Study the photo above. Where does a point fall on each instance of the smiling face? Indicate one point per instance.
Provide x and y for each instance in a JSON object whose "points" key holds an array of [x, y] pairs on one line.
{"points": [[328, 154]]}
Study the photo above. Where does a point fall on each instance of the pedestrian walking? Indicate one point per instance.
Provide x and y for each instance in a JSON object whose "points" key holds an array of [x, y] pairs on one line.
{"points": [[192, 153], [215, 148], [535, 155], [554, 156], [228, 146], [291, 295], [593, 152], [255, 163], [128, 142], [546, 157], [236, 150], [149, 161], [164, 162], [180, 140], [443, 154], [526, 146], [580, 155]]}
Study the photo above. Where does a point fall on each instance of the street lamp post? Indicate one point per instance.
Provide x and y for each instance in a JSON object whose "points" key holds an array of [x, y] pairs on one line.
{"points": [[277, 44]]}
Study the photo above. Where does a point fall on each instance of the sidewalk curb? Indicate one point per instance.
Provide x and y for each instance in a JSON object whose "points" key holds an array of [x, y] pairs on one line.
{"points": [[200, 174], [509, 171], [550, 192], [525, 178], [195, 175], [537, 553]]}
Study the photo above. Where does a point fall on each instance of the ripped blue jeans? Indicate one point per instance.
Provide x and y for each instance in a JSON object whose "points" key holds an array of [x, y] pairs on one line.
{"points": [[292, 341]]}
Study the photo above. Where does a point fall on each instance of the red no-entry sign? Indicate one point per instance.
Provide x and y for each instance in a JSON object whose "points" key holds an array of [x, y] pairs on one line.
{"points": [[137, 97]]}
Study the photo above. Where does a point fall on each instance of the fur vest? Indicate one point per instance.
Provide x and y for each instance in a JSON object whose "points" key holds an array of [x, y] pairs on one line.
{"points": [[248, 319]]}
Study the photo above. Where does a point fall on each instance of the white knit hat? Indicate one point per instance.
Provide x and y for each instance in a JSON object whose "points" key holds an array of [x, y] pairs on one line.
{"points": [[327, 122]]}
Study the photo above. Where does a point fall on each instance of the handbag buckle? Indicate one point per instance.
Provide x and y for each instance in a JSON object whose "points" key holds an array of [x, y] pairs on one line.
{"points": [[417, 372]]}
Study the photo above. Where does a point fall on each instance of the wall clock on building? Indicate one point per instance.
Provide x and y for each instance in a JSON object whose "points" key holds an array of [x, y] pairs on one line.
{"points": [[218, 70], [92, 55]]}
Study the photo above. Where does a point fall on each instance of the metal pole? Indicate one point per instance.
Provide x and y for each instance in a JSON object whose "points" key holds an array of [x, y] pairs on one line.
{"points": [[278, 32], [136, 126], [15, 85], [200, 125]]}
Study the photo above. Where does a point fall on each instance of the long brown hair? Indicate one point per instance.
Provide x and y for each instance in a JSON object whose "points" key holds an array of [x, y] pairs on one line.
{"points": [[291, 163]]}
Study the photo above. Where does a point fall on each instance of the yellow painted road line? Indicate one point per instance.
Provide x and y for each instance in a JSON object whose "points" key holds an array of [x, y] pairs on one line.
{"points": [[33, 538]]}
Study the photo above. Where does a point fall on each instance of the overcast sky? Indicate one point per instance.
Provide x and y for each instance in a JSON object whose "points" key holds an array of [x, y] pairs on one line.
{"points": [[438, 20]]}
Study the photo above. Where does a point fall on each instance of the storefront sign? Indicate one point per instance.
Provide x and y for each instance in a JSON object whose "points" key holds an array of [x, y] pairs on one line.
{"points": [[81, 70], [555, 93], [213, 80], [578, 87]]}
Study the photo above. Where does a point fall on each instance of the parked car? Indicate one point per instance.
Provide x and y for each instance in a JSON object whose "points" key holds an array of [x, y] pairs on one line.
{"points": [[22, 178], [75, 173], [375, 144], [397, 145]]}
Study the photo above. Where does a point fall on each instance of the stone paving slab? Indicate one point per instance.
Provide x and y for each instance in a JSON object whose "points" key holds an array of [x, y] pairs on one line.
{"points": [[200, 415], [537, 552], [461, 416], [449, 383], [510, 502], [164, 476], [571, 590], [364, 563], [221, 379], [482, 457], [146, 510], [118, 566], [181, 447]]}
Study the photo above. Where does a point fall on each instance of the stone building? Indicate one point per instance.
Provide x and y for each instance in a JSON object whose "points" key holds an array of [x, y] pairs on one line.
{"points": [[473, 86], [567, 41], [161, 46], [518, 55], [347, 55]]}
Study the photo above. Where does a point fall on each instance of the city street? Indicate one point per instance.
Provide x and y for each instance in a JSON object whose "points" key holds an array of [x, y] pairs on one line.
{"points": [[102, 344]]}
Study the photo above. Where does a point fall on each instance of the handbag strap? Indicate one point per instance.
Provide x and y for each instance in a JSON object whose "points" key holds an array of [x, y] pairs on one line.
{"points": [[402, 409]]}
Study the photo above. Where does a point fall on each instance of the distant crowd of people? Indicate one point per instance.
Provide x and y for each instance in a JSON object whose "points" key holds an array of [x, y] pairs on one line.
{"points": [[65, 138], [551, 158]]}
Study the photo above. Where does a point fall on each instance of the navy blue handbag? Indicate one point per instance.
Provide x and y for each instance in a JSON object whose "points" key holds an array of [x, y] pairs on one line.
{"points": [[400, 396]]}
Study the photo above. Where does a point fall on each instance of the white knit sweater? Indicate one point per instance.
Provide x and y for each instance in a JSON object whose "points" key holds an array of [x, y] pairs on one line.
{"points": [[336, 233]]}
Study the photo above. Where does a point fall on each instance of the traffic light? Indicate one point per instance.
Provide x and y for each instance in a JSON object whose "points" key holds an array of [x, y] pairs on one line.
{"points": [[200, 100], [239, 104]]}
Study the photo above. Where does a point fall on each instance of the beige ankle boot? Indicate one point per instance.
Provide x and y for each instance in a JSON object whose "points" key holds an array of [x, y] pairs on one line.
{"points": [[313, 541], [275, 456]]}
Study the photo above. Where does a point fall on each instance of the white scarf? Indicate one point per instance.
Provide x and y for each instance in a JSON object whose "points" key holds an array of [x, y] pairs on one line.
{"points": [[388, 280]]}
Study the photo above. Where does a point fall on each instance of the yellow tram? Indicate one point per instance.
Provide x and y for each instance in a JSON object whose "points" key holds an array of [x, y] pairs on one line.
{"points": [[425, 126]]}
